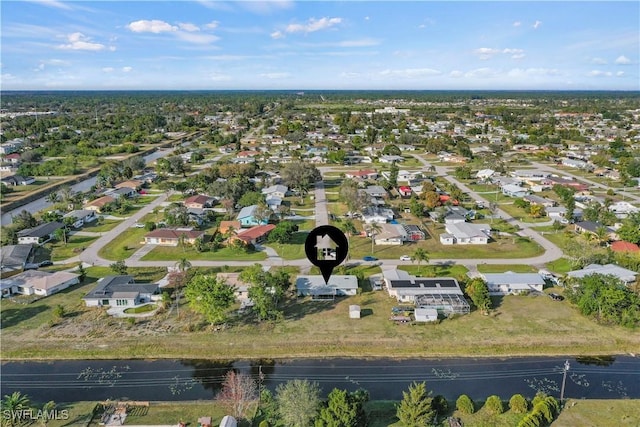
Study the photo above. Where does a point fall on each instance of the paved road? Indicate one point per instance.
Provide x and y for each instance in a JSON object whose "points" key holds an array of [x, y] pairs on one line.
{"points": [[322, 216]]}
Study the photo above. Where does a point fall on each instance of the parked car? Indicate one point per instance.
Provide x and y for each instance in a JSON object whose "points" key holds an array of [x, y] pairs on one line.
{"points": [[556, 297], [369, 258], [405, 258], [138, 225], [45, 263]]}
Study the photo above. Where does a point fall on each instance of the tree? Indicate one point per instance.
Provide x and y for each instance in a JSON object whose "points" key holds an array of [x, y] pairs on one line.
{"points": [[415, 408], [52, 198], [373, 229], [61, 235], [349, 228], [393, 175], [420, 255], [518, 404], [494, 405], [465, 405], [251, 198], [119, 267], [283, 233], [14, 403], [298, 402], [300, 176], [416, 207], [266, 290], [239, 392], [479, 293], [210, 297], [23, 220], [431, 199], [462, 172], [630, 229], [344, 409]]}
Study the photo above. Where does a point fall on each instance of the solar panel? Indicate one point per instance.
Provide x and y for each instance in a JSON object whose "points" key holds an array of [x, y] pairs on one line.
{"points": [[403, 284], [447, 283]]}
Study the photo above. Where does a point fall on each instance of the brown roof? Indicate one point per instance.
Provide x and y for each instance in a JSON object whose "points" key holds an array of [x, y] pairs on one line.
{"points": [[101, 201], [256, 232], [622, 246], [225, 225], [134, 183], [172, 233], [199, 198]]}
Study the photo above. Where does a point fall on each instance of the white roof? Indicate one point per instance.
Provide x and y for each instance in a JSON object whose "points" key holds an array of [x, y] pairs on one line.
{"points": [[467, 230], [511, 278], [621, 273], [335, 282]]}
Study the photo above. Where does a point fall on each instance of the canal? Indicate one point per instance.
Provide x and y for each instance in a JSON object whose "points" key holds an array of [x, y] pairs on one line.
{"points": [[173, 380]]}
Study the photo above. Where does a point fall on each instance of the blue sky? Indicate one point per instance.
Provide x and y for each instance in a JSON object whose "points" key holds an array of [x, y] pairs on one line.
{"points": [[422, 45]]}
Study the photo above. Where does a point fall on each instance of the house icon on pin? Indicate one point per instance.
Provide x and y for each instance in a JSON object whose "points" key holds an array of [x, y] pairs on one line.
{"points": [[326, 248]]}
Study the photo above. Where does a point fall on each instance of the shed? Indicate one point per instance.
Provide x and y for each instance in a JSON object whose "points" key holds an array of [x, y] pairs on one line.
{"points": [[228, 421], [204, 422], [354, 312], [426, 314]]}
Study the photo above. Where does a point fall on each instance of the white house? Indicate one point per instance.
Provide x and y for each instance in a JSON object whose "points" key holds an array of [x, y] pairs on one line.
{"points": [[426, 314], [512, 190], [81, 217], [278, 190], [391, 234], [513, 283], [36, 282], [466, 234], [121, 291], [315, 286], [485, 174], [40, 234], [623, 209], [623, 274]]}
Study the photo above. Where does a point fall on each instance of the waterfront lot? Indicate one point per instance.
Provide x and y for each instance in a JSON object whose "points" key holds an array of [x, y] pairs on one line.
{"points": [[520, 325]]}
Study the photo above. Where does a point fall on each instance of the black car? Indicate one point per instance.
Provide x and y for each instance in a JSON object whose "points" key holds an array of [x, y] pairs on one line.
{"points": [[556, 297], [45, 263]]}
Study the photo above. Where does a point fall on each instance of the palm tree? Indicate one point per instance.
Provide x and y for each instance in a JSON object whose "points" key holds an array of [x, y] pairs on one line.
{"points": [[601, 235], [420, 255], [52, 198], [183, 265], [12, 403], [350, 229], [373, 229]]}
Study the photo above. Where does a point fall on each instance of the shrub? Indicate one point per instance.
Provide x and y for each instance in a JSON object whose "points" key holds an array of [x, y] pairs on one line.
{"points": [[440, 404], [263, 423], [464, 404], [531, 420], [518, 404], [494, 405], [58, 311], [539, 397]]}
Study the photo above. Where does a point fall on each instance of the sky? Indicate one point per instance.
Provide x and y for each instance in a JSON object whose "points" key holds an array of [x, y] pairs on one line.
{"points": [[319, 45]]}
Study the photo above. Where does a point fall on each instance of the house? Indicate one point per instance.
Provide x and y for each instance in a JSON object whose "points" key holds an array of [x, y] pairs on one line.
{"points": [[40, 234], [228, 421], [13, 158], [280, 191], [555, 180], [247, 218], [240, 288], [81, 217], [485, 174], [404, 191], [510, 283], [121, 291], [442, 294], [12, 146], [450, 214], [199, 201], [316, 288], [98, 204], [624, 275], [529, 176], [376, 191], [362, 174], [225, 226], [273, 202], [15, 180], [13, 258], [426, 314], [593, 227], [172, 236], [132, 183], [36, 282], [466, 234], [623, 209], [622, 246], [127, 192], [390, 159], [391, 234], [256, 234], [537, 200], [512, 190], [575, 163], [414, 232]]}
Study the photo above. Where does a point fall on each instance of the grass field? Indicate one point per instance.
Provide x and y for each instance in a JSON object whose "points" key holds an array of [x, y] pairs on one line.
{"points": [[75, 244], [503, 268], [521, 214], [101, 226], [173, 253], [123, 246]]}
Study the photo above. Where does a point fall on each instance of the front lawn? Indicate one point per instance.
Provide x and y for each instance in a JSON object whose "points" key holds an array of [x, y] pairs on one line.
{"points": [[101, 226], [123, 246], [74, 246], [503, 268], [174, 253]]}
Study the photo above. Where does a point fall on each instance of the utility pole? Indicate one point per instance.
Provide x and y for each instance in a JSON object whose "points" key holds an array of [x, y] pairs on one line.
{"points": [[564, 379], [260, 380]]}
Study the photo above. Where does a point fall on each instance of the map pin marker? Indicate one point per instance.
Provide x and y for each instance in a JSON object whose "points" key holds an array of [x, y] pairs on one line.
{"points": [[326, 247]]}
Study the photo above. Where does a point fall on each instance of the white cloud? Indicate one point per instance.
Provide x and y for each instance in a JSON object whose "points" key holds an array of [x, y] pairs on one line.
{"points": [[186, 26], [366, 18], [274, 76], [599, 73], [620, 74], [517, 23], [197, 38], [622, 60], [599, 61], [78, 41], [515, 53], [411, 73], [153, 26], [488, 52], [533, 72], [313, 25], [536, 25], [481, 73], [212, 25], [277, 35], [126, 69], [53, 3], [108, 69]]}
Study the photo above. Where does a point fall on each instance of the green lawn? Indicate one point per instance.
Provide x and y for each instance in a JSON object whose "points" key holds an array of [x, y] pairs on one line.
{"points": [[141, 274], [503, 268], [173, 253], [74, 246], [142, 309], [101, 225], [521, 214], [123, 246], [560, 266], [292, 250], [596, 412]]}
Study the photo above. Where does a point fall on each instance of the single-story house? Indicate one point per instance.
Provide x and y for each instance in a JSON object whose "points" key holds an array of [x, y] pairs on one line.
{"points": [[132, 183], [315, 286], [376, 191], [14, 180], [537, 200], [256, 234], [241, 289], [273, 202], [121, 291], [391, 234], [40, 234], [390, 159], [623, 274], [622, 246], [569, 183], [405, 191], [36, 282], [99, 203], [280, 191], [593, 227], [13, 258], [513, 283], [225, 226], [623, 209], [247, 219], [199, 201], [442, 294], [466, 234], [127, 192], [362, 174], [81, 217], [171, 236], [377, 214], [485, 174], [512, 190]]}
